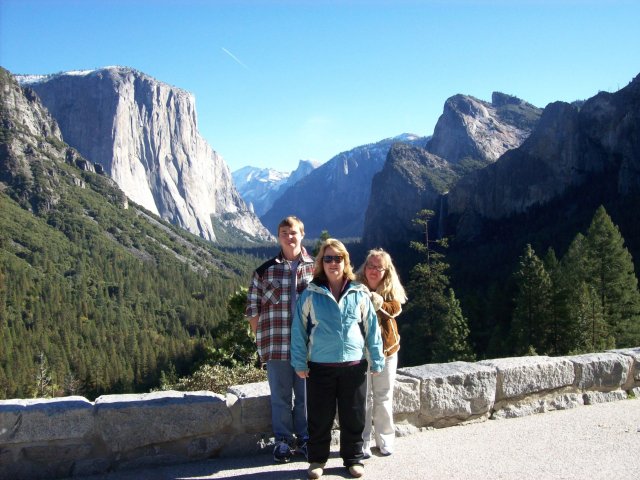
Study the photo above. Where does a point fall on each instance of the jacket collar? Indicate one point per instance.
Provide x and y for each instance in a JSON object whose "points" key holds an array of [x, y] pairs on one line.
{"points": [[304, 256], [352, 285]]}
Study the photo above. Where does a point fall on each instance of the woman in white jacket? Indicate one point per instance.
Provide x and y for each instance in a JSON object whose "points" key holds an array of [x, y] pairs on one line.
{"points": [[387, 295]]}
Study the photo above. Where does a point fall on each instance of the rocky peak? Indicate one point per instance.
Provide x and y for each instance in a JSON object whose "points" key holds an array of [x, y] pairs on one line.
{"points": [[21, 109], [144, 134], [472, 129], [304, 168], [571, 145]]}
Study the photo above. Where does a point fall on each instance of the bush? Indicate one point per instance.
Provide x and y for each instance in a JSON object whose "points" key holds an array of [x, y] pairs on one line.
{"points": [[217, 378]]}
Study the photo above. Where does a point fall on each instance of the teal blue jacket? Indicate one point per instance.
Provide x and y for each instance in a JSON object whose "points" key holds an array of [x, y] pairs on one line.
{"points": [[326, 331]]}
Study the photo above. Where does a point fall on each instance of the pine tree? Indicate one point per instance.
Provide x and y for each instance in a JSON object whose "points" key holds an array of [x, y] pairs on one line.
{"points": [[234, 344], [531, 324], [592, 332], [611, 272], [434, 329], [42, 385], [560, 342], [573, 280], [451, 342], [324, 235]]}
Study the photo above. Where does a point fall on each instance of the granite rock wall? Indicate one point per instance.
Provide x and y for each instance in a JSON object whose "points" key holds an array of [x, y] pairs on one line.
{"points": [[71, 436]]}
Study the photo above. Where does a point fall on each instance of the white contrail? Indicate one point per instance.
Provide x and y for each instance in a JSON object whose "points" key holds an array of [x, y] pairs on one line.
{"points": [[234, 57]]}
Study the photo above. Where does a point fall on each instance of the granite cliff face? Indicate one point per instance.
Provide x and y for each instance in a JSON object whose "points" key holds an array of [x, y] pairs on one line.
{"points": [[144, 134], [411, 177], [469, 135], [335, 196], [23, 120], [29, 139], [473, 129], [570, 147]]}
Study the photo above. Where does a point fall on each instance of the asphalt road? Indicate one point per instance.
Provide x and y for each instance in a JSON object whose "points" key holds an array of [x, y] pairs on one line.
{"points": [[590, 442]]}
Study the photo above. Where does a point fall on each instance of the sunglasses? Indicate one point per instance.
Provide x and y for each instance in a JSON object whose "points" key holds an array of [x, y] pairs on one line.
{"points": [[377, 269], [332, 258]]}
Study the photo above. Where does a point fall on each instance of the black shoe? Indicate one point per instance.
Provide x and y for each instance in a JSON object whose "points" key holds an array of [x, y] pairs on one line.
{"points": [[282, 451], [301, 447]]}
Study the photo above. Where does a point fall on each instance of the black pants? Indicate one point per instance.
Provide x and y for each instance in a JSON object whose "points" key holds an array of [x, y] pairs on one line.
{"points": [[346, 387]]}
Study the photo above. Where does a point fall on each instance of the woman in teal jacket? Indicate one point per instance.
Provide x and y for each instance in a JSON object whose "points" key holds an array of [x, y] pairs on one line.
{"points": [[335, 334]]}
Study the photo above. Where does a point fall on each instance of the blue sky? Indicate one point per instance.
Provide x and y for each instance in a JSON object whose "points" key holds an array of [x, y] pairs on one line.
{"points": [[280, 81]]}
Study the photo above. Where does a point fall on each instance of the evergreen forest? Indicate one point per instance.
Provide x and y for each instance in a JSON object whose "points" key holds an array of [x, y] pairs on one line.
{"points": [[586, 301], [96, 298]]}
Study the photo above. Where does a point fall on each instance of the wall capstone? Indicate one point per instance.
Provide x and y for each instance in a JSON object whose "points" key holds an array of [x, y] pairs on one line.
{"points": [[455, 392], [70, 436]]}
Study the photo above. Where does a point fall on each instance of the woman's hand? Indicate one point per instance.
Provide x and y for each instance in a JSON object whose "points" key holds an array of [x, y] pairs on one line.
{"points": [[303, 374], [376, 299]]}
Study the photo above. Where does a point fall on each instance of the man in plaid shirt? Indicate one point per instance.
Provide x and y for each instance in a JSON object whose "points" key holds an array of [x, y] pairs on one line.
{"points": [[271, 300]]}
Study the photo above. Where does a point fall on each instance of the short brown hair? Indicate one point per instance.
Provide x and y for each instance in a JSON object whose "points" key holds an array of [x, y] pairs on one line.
{"points": [[291, 221]]}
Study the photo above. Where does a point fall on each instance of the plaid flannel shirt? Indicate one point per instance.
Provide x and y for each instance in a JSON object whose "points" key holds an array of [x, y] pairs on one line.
{"points": [[269, 298]]}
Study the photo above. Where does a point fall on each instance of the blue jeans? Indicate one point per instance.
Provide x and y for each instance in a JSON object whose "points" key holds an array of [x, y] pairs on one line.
{"points": [[288, 406]]}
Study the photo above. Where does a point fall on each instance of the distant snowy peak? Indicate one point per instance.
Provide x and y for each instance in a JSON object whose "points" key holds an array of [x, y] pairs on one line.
{"points": [[260, 187], [409, 138], [248, 176]]}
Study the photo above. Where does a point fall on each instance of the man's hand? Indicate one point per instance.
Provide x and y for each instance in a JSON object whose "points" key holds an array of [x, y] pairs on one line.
{"points": [[303, 374], [253, 321]]}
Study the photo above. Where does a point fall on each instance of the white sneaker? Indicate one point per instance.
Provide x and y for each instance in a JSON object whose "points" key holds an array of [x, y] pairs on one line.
{"points": [[386, 451]]}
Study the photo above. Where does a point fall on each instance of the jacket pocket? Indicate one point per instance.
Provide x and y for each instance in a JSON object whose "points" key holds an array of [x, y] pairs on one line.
{"points": [[390, 336], [272, 292]]}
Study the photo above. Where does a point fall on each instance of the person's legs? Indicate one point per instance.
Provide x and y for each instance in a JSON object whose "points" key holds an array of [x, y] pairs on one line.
{"points": [[368, 419], [281, 386], [382, 386], [299, 406], [321, 403], [351, 393]]}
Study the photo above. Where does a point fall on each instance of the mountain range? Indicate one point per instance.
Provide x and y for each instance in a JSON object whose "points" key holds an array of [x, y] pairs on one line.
{"points": [[143, 134], [485, 162], [334, 196]]}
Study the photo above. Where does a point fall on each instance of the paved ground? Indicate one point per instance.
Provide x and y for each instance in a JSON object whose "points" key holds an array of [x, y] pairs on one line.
{"points": [[590, 442]]}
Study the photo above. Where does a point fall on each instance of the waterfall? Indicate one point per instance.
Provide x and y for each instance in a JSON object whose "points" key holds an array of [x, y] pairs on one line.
{"points": [[441, 215]]}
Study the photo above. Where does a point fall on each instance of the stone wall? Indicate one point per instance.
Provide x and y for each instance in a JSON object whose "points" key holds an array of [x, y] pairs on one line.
{"points": [[62, 437]]}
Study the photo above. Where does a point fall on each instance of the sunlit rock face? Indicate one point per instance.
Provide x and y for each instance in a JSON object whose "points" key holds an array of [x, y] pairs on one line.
{"points": [[474, 129], [145, 135]]}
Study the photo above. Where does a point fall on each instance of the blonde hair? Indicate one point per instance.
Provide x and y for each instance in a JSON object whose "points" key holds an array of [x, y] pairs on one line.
{"points": [[340, 249], [390, 287]]}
